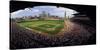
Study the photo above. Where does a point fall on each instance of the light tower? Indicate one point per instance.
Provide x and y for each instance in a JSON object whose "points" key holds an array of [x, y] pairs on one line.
{"points": [[66, 22], [64, 15]]}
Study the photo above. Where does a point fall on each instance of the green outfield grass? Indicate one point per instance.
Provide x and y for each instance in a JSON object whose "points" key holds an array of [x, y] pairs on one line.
{"points": [[44, 26]]}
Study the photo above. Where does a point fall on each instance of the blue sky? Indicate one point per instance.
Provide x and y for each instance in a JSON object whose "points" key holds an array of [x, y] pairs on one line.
{"points": [[52, 10]]}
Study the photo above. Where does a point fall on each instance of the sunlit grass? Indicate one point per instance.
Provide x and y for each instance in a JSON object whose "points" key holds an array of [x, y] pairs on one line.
{"points": [[44, 26]]}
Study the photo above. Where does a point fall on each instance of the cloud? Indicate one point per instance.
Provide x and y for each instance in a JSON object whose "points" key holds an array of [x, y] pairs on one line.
{"points": [[53, 10], [68, 11], [25, 12]]}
